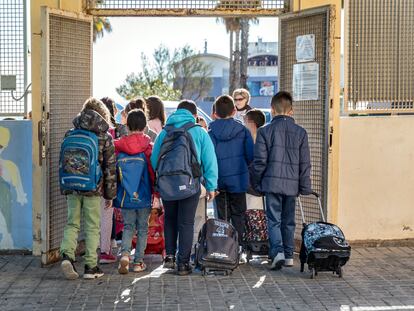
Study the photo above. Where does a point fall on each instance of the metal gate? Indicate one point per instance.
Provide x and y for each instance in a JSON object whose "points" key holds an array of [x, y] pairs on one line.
{"points": [[304, 50], [66, 84]]}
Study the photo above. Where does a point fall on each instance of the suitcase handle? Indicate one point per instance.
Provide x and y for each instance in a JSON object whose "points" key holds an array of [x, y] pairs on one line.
{"points": [[319, 203]]}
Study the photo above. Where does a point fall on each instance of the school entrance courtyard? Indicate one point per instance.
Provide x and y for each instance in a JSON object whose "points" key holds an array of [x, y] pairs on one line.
{"points": [[375, 279]]}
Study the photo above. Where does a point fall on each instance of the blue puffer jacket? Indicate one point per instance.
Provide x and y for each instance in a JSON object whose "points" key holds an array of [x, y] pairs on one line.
{"points": [[281, 162], [234, 149]]}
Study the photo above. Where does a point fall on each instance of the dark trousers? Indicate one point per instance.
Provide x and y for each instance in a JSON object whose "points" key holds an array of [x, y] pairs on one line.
{"points": [[280, 212], [236, 210], [179, 223]]}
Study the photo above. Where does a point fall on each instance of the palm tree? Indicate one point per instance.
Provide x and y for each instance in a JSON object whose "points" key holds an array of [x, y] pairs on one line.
{"points": [[238, 54], [100, 26]]}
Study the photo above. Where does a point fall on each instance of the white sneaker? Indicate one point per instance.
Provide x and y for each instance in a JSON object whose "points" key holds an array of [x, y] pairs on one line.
{"points": [[139, 267], [243, 258], [278, 262], [114, 244], [123, 267], [288, 262]]}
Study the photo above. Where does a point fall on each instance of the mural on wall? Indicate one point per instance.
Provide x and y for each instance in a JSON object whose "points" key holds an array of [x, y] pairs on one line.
{"points": [[15, 185]]}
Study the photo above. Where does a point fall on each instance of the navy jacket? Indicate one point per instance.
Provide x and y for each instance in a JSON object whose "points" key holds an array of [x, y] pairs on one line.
{"points": [[282, 162], [233, 144]]}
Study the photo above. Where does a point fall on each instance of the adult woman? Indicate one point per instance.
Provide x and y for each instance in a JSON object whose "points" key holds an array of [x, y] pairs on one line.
{"points": [[241, 99]]}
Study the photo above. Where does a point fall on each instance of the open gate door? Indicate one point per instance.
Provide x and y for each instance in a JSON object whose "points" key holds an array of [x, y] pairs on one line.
{"points": [[304, 58], [66, 84]]}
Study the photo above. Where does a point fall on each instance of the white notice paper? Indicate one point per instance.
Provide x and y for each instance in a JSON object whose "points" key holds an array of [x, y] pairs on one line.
{"points": [[305, 48], [305, 82]]}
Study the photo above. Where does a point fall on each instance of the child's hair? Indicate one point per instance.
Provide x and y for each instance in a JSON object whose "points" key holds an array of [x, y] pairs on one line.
{"points": [[244, 93], [188, 105], [224, 106], [156, 108], [96, 105], [110, 104], [282, 102], [136, 120], [257, 116], [136, 103]]}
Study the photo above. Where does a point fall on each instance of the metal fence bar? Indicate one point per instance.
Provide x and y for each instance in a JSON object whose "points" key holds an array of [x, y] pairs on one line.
{"points": [[187, 7], [13, 61], [380, 53]]}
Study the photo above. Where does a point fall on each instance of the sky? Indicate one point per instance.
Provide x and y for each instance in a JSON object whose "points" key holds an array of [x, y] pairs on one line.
{"points": [[119, 52]]}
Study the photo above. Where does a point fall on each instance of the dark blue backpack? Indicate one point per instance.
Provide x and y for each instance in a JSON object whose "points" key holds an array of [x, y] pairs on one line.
{"points": [[134, 185], [178, 171], [79, 169]]}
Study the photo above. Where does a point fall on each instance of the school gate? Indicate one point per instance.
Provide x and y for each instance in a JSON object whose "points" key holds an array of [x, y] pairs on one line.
{"points": [[64, 38]]}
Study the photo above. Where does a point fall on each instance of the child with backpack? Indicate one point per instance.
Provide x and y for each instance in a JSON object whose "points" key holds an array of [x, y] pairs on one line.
{"points": [[107, 222], [87, 171], [135, 190], [234, 150], [183, 153], [281, 170]]}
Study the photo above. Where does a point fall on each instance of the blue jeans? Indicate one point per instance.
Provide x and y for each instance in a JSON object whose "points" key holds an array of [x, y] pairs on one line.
{"points": [[280, 212], [135, 219]]}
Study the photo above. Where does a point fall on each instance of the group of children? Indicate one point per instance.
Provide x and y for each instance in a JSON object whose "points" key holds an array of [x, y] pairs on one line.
{"points": [[237, 155]]}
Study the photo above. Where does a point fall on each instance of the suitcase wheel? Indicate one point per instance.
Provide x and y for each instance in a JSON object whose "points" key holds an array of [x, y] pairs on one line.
{"points": [[314, 273], [339, 272]]}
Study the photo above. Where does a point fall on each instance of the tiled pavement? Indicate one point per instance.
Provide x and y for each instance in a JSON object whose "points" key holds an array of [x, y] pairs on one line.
{"points": [[374, 279]]}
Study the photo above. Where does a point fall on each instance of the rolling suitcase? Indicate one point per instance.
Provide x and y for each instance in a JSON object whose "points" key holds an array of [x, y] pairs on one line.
{"points": [[256, 238], [217, 248], [324, 247]]}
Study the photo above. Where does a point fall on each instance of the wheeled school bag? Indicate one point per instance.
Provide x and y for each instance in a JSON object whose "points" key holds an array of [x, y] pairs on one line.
{"points": [[217, 248], [178, 171], [79, 168], [324, 247], [134, 185], [256, 238]]}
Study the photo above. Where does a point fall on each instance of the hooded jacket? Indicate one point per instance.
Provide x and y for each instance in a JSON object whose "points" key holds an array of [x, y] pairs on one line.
{"points": [[134, 144], [204, 147], [282, 158], [92, 121], [233, 144]]}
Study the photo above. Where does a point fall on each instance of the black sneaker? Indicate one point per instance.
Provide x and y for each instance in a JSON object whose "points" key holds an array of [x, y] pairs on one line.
{"points": [[184, 269], [68, 268], [92, 273], [169, 262]]}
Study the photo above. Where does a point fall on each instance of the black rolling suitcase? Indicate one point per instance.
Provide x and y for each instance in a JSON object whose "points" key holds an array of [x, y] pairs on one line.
{"points": [[256, 238], [324, 247], [217, 248]]}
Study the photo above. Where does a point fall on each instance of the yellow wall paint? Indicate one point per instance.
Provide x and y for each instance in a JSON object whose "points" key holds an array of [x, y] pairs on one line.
{"points": [[38, 185], [376, 185]]}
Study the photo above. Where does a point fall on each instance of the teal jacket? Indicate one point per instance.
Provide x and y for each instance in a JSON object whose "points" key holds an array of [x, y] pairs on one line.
{"points": [[206, 155]]}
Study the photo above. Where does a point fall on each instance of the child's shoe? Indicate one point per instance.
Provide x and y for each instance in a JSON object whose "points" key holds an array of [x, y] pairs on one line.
{"points": [[288, 262], [123, 267], [68, 268], [139, 266], [114, 244], [92, 273], [278, 262], [106, 258], [169, 262]]}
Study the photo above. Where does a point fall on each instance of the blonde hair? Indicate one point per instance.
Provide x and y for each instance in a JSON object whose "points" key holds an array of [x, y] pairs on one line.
{"points": [[98, 106], [243, 92]]}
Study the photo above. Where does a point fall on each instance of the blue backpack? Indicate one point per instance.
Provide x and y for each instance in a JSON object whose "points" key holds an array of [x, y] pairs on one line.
{"points": [[134, 185], [178, 171], [79, 169]]}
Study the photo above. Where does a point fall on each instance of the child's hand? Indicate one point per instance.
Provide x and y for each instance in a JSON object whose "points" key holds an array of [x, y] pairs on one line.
{"points": [[156, 203], [211, 195], [108, 203]]}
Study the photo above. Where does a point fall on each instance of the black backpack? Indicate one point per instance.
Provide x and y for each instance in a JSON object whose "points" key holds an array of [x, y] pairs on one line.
{"points": [[217, 248], [178, 172]]}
